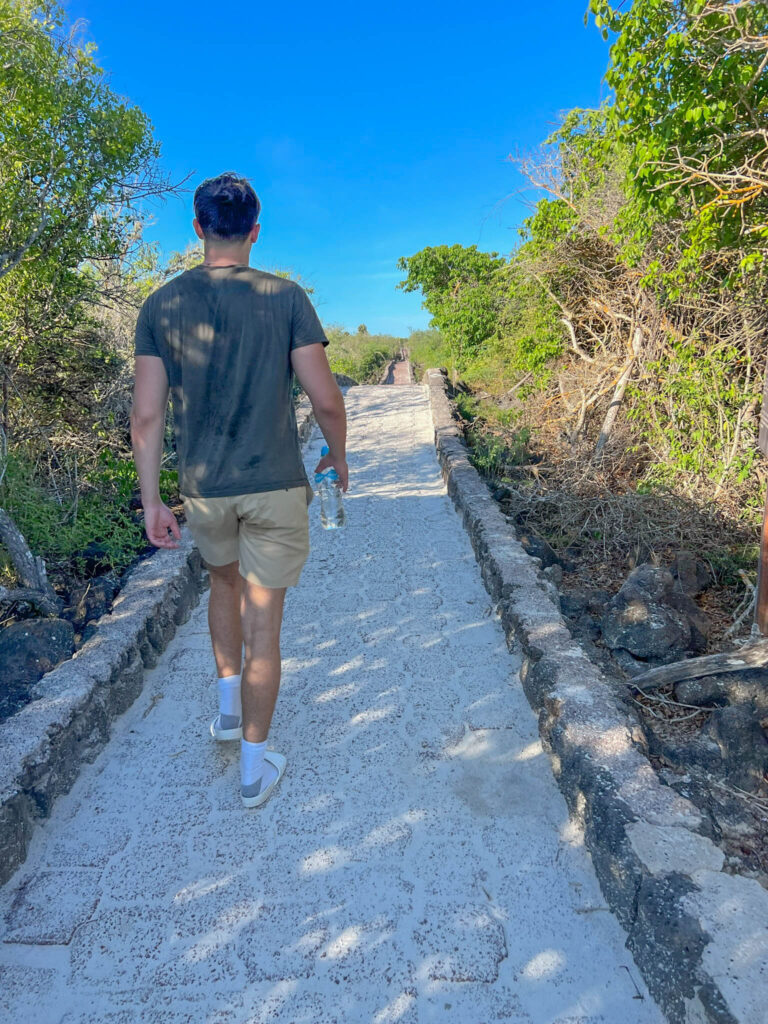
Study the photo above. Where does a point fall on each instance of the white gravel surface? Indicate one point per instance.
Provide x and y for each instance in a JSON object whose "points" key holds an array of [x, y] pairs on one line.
{"points": [[415, 864]]}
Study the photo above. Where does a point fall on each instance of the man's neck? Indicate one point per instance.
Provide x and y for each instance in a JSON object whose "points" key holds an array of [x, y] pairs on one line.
{"points": [[231, 256]]}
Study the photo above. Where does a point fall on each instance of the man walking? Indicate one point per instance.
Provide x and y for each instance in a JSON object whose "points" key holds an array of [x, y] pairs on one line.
{"points": [[224, 339]]}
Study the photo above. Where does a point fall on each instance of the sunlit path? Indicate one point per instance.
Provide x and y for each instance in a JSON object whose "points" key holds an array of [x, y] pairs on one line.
{"points": [[415, 864]]}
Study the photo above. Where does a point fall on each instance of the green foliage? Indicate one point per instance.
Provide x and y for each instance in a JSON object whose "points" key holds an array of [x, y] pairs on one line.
{"points": [[462, 289], [71, 159], [530, 335], [493, 453], [68, 141], [690, 107], [490, 455], [77, 163], [695, 417], [56, 528], [472, 408], [728, 564], [178, 262], [496, 456], [551, 222], [496, 322], [360, 356], [647, 250], [116, 475], [427, 349]]}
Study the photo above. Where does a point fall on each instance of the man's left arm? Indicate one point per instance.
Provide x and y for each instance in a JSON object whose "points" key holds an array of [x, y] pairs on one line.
{"points": [[150, 399]]}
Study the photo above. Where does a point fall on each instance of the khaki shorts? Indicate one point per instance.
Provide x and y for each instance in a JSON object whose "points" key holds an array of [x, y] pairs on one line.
{"points": [[267, 532]]}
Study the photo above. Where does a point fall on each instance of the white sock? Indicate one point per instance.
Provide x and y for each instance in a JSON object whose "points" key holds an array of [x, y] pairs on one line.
{"points": [[229, 697], [253, 766]]}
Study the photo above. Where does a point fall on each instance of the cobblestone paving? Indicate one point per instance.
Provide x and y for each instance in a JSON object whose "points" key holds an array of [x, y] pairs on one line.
{"points": [[415, 864]]}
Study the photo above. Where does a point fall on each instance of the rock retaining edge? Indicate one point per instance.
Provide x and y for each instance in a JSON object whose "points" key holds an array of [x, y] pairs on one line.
{"points": [[698, 934], [43, 746]]}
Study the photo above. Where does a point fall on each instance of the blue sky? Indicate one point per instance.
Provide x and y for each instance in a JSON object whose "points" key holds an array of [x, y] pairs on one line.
{"points": [[368, 132]]}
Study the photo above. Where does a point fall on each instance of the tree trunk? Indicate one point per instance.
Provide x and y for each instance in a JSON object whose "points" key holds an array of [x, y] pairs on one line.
{"points": [[29, 568], [618, 394]]}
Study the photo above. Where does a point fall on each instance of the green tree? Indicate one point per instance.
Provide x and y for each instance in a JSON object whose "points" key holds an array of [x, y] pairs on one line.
{"points": [[76, 158], [691, 107], [76, 164], [462, 288]]}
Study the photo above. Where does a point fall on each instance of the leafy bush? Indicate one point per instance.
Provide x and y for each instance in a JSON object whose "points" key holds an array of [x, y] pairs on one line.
{"points": [[361, 356], [496, 455], [427, 349], [57, 526], [462, 289], [695, 421]]}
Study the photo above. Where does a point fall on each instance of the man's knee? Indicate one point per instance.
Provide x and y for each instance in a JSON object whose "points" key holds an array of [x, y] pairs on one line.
{"points": [[261, 613], [229, 573]]}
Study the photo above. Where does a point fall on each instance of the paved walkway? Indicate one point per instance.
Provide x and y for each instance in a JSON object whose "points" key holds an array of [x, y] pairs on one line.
{"points": [[399, 373], [416, 863]]}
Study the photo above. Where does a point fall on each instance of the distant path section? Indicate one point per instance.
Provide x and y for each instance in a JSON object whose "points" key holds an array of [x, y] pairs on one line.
{"points": [[399, 371], [416, 865]]}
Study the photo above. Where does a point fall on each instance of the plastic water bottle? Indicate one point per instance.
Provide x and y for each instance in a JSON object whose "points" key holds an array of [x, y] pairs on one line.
{"points": [[332, 514]]}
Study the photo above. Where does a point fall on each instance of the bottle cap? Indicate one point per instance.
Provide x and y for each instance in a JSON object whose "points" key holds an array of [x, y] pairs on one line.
{"points": [[324, 450]]}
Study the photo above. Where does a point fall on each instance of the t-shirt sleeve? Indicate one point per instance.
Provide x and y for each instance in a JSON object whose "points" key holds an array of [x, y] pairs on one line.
{"points": [[306, 328], [145, 343]]}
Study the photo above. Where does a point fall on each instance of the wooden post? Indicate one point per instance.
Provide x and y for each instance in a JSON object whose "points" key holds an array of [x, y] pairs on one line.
{"points": [[761, 602]]}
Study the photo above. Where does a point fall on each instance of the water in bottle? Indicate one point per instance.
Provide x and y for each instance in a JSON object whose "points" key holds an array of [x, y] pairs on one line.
{"points": [[332, 514]]}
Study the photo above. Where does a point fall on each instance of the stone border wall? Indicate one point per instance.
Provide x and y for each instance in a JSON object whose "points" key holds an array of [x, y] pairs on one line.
{"points": [[68, 722], [698, 934], [43, 746]]}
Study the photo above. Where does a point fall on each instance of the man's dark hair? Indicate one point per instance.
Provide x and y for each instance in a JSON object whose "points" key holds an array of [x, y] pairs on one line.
{"points": [[226, 206]]}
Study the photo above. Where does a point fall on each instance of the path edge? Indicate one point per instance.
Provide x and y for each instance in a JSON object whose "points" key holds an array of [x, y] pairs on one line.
{"points": [[45, 744], [688, 922]]}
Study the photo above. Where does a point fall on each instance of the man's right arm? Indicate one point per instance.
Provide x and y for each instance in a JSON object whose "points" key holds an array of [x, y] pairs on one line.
{"points": [[310, 364]]}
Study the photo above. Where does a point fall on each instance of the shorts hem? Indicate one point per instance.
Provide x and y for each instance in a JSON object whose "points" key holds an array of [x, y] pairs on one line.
{"points": [[251, 578], [218, 565]]}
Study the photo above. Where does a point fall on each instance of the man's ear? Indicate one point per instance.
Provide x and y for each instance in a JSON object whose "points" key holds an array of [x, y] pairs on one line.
{"points": [[198, 229], [254, 232]]}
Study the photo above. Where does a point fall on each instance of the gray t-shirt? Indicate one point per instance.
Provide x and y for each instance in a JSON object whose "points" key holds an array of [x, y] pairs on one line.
{"points": [[225, 335]]}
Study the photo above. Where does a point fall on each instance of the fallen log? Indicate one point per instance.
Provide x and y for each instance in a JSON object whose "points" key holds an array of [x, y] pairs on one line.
{"points": [[753, 655]]}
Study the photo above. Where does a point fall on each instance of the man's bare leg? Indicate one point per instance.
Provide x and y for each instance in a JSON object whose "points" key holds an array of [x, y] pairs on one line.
{"points": [[261, 617], [224, 617]]}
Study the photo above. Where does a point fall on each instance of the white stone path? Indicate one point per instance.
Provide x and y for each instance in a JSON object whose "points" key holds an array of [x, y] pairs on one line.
{"points": [[416, 863]]}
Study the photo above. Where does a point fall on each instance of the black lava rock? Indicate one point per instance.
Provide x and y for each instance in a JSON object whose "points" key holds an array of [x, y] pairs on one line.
{"points": [[743, 744], [28, 650], [537, 547], [652, 620], [690, 574], [90, 601]]}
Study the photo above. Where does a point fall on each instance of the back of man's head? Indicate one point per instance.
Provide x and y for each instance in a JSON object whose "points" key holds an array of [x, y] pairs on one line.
{"points": [[226, 207]]}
